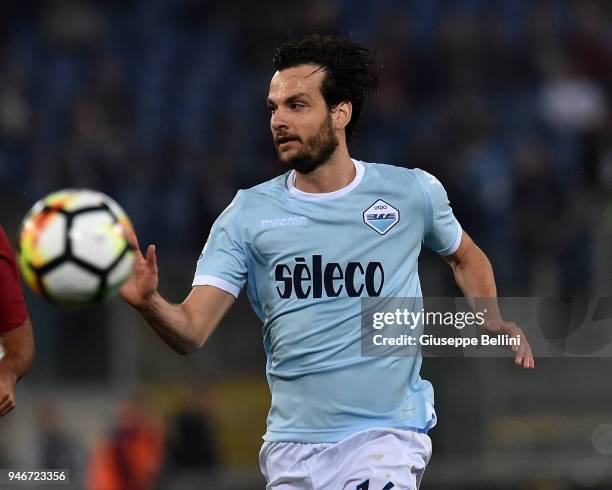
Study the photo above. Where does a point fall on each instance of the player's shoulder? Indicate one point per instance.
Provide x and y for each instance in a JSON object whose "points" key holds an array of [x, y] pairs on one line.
{"points": [[273, 186], [401, 174]]}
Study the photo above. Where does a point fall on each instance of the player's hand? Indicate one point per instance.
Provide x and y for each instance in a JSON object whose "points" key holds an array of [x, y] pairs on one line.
{"points": [[523, 355], [8, 379], [142, 284]]}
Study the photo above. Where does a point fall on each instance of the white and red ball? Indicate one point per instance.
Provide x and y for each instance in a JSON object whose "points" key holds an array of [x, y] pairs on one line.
{"points": [[74, 247]]}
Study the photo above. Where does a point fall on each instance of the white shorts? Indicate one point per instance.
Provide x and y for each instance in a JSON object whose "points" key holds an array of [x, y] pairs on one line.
{"points": [[376, 459]]}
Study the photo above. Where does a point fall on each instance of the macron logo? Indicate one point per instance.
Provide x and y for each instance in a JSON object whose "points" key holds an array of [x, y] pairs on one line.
{"points": [[289, 221]]}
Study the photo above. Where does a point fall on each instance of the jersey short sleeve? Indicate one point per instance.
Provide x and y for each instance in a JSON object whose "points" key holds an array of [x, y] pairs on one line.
{"points": [[13, 311], [442, 230], [222, 262]]}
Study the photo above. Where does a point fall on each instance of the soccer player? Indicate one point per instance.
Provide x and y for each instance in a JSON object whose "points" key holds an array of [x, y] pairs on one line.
{"points": [[16, 339], [309, 245]]}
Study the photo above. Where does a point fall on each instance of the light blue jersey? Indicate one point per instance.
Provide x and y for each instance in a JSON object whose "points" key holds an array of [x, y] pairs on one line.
{"points": [[307, 260]]}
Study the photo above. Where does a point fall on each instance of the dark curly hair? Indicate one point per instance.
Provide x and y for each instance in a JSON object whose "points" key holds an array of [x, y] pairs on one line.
{"points": [[352, 72]]}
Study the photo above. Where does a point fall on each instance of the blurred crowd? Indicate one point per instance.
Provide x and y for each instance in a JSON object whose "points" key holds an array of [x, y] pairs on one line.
{"points": [[140, 448], [161, 105]]}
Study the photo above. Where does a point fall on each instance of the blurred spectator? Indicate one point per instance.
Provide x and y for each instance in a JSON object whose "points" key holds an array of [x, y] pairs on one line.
{"points": [[72, 24], [15, 110], [191, 444], [538, 208], [57, 448], [572, 102], [131, 457]]}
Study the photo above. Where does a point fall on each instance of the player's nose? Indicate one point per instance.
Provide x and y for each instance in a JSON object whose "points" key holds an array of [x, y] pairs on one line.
{"points": [[278, 120]]}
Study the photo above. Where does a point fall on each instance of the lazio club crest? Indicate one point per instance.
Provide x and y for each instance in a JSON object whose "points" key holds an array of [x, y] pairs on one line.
{"points": [[381, 216]]}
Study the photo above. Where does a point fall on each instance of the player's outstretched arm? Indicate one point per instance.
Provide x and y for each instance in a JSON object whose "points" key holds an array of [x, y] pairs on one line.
{"points": [[16, 354], [474, 276], [184, 327]]}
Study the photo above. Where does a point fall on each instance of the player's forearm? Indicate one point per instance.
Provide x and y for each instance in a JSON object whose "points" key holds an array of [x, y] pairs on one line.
{"points": [[173, 324], [474, 276], [18, 350]]}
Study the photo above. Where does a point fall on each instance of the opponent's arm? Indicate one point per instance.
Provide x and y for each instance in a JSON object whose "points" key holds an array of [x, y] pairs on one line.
{"points": [[16, 354], [474, 276], [184, 327]]}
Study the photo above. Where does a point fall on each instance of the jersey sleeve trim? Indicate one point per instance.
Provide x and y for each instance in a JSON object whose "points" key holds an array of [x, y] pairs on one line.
{"points": [[455, 245], [207, 280]]}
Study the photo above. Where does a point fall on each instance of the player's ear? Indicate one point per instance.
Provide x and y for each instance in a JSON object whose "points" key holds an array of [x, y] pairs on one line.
{"points": [[341, 114]]}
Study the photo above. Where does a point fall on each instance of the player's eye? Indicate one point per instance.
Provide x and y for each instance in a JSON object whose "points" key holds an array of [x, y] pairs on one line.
{"points": [[297, 106], [271, 109]]}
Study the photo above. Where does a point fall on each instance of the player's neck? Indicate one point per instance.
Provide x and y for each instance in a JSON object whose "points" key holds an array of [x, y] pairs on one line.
{"points": [[338, 172]]}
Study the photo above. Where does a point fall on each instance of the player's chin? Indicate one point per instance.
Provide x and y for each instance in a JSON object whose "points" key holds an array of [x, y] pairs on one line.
{"points": [[286, 155]]}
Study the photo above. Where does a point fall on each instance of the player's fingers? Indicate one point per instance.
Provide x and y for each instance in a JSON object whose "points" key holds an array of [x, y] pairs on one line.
{"points": [[7, 404], [133, 239], [6, 409], [526, 355], [528, 362], [520, 354], [524, 351], [151, 257], [525, 362], [518, 359]]}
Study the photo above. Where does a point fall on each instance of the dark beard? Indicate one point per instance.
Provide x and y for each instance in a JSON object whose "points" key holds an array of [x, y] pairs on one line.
{"points": [[317, 149]]}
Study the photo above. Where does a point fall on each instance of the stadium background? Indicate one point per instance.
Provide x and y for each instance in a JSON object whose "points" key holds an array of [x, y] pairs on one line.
{"points": [[160, 104]]}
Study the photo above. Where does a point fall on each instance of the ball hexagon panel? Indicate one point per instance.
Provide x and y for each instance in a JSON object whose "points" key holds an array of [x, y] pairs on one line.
{"points": [[96, 238], [45, 238], [69, 283]]}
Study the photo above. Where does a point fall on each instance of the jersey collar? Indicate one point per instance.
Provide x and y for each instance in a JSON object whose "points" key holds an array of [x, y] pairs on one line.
{"points": [[324, 196]]}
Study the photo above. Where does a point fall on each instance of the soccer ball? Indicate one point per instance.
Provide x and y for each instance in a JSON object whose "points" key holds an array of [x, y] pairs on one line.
{"points": [[74, 248]]}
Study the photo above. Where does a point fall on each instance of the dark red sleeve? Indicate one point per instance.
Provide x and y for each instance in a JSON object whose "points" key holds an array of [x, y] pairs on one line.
{"points": [[13, 310]]}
